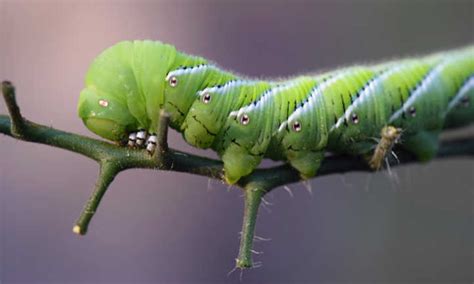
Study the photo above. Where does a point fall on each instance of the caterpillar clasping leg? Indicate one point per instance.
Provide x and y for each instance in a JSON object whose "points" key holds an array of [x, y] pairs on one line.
{"points": [[142, 139]]}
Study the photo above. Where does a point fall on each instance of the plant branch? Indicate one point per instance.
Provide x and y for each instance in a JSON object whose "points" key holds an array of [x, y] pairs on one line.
{"points": [[113, 159], [108, 171], [253, 197]]}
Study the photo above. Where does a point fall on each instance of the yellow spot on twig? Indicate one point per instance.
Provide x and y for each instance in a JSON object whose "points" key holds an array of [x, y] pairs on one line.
{"points": [[77, 230]]}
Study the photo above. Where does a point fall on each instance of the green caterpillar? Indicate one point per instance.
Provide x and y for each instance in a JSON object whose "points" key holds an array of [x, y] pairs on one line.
{"points": [[296, 120]]}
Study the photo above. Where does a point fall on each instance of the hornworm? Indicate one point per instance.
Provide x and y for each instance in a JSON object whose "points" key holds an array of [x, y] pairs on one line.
{"points": [[295, 120]]}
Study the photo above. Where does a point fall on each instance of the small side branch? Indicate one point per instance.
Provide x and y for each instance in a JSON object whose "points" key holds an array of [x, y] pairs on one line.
{"points": [[162, 131], [161, 154], [108, 172], [253, 197], [18, 124]]}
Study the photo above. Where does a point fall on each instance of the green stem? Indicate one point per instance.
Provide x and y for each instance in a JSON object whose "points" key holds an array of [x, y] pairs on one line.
{"points": [[107, 173], [253, 197]]}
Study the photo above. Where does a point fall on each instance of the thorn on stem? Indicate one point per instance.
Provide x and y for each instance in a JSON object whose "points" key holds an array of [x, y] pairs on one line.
{"points": [[288, 189]]}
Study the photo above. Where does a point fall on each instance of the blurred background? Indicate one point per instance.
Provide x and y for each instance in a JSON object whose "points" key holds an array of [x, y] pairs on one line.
{"points": [[415, 225]]}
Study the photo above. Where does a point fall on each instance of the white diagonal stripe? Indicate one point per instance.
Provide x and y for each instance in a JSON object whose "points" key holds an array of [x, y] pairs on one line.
{"points": [[264, 99], [227, 87], [419, 91], [467, 86], [309, 103], [190, 70], [367, 91]]}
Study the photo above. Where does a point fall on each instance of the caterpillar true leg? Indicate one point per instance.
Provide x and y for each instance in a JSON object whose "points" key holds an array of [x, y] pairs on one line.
{"points": [[389, 136], [151, 143], [141, 137], [132, 139]]}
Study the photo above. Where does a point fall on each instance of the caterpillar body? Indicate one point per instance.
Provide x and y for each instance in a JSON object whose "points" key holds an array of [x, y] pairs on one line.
{"points": [[295, 120]]}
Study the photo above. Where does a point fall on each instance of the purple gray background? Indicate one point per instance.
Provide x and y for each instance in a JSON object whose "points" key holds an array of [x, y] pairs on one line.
{"points": [[158, 227]]}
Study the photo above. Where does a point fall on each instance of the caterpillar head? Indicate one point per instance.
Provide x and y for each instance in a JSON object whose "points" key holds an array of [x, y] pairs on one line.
{"points": [[104, 115], [125, 88]]}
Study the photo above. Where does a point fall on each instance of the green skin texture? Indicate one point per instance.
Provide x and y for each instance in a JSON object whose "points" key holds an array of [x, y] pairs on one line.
{"points": [[241, 147], [130, 77], [205, 121], [179, 98], [296, 120]]}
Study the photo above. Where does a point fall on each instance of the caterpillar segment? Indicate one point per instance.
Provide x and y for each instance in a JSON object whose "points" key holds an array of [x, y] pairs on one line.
{"points": [[312, 121], [461, 107], [296, 120], [250, 130], [182, 85], [407, 86], [203, 126], [425, 111]]}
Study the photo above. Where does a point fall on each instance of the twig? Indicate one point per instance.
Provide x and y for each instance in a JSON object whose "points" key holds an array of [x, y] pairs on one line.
{"points": [[113, 159], [18, 123], [162, 132], [253, 197], [108, 171]]}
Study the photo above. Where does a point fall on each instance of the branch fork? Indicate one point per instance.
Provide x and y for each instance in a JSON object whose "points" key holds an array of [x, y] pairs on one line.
{"points": [[113, 159]]}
